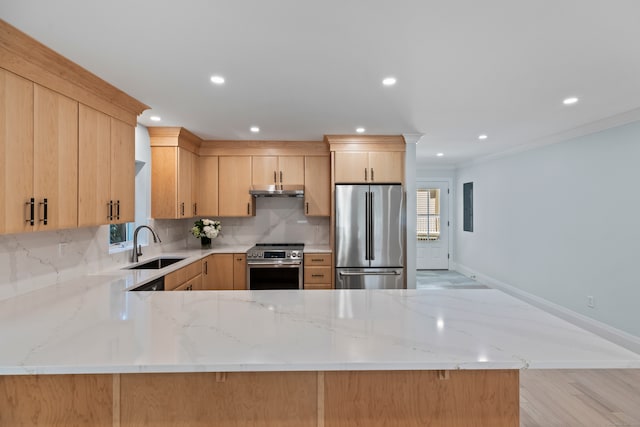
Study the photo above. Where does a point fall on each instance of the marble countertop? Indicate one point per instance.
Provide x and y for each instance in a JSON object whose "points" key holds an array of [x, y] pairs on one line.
{"points": [[92, 325]]}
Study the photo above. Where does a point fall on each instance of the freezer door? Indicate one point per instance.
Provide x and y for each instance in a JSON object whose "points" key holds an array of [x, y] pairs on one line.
{"points": [[351, 225], [387, 219], [369, 278]]}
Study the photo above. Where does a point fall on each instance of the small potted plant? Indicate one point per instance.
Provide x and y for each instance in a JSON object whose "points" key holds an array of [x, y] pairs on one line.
{"points": [[205, 230]]}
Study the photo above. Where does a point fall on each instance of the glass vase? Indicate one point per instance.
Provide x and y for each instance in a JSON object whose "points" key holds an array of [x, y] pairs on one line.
{"points": [[205, 242]]}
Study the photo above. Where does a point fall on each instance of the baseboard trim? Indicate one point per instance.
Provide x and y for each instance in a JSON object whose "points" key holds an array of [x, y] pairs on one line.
{"points": [[608, 332]]}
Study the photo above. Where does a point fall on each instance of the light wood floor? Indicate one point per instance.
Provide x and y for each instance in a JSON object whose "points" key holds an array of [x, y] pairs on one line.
{"points": [[580, 398]]}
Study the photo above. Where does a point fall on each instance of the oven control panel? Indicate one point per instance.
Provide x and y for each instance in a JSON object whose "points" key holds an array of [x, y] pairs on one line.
{"points": [[275, 254]]}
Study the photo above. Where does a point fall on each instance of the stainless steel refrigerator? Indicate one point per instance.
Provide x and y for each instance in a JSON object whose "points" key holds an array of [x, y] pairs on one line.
{"points": [[370, 236]]}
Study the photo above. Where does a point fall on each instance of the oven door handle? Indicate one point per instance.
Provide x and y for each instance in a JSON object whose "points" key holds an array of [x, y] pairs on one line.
{"points": [[272, 264], [370, 273]]}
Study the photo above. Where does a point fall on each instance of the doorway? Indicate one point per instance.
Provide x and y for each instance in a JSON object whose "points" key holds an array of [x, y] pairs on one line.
{"points": [[432, 227]]}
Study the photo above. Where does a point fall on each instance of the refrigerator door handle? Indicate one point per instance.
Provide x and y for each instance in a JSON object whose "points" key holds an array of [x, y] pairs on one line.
{"points": [[366, 228], [370, 273], [371, 228]]}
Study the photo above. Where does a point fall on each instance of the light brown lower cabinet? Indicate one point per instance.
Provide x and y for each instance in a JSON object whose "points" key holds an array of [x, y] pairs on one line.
{"points": [[460, 398], [224, 272], [317, 271], [180, 279]]}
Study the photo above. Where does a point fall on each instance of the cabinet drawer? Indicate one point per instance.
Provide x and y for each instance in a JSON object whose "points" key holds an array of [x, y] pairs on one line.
{"points": [[179, 277], [312, 286], [317, 275], [317, 259]]}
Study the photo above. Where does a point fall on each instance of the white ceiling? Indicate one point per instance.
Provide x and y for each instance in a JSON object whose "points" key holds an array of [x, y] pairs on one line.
{"points": [[302, 69]]}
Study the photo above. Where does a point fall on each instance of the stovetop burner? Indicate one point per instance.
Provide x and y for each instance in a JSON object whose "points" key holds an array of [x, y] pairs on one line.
{"points": [[279, 244]]}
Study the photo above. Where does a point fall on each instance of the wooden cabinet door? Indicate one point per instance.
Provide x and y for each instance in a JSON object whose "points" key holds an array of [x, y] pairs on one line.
{"points": [[123, 171], [195, 185], [317, 186], [234, 177], [16, 152], [55, 160], [264, 170], [386, 167], [351, 167], [164, 182], [94, 171], [291, 170], [239, 271], [217, 272], [185, 209], [207, 186]]}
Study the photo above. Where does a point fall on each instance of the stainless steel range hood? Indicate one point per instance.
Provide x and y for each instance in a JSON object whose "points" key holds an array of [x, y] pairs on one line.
{"points": [[277, 190]]}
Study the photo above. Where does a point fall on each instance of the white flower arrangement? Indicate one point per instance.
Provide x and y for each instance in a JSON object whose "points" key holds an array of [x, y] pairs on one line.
{"points": [[206, 228]]}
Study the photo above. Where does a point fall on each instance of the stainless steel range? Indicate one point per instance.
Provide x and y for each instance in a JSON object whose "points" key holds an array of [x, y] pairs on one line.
{"points": [[275, 266]]}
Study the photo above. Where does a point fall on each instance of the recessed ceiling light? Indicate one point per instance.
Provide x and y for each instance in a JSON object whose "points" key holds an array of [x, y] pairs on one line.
{"points": [[217, 80], [389, 81], [155, 118], [483, 136], [255, 129], [570, 100], [440, 154], [360, 130]]}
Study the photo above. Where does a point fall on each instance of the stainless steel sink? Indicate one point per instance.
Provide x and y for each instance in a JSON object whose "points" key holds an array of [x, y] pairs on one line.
{"points": [[155, 264]]}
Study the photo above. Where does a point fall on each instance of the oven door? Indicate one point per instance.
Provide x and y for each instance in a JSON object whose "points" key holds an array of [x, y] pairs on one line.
{"points": [[274, 275]]}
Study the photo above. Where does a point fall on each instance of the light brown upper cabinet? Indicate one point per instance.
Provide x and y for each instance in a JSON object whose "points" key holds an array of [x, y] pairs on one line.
{"points": [[234, 180], [43, 169], [123, 171], [172, 186], [317, 186], [106, 153], [55, 161], [206, 191], [39, 155], [369, 167], [281, 170], [16, 153]]}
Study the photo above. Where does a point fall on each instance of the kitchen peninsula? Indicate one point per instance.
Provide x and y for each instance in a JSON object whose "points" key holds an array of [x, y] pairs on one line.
{"points": [[89, 353]]}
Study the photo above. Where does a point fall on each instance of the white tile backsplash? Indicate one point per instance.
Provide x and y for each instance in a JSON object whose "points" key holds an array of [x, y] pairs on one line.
{"points": [[32, 261]]}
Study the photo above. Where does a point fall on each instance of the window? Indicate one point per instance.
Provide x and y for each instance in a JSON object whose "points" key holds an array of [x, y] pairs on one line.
{"points": [[119, 234], [428, 205]]}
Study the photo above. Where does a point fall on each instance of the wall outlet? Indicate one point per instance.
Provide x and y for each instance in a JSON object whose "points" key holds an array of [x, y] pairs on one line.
{"points": [[591, 303], [473, 276]]}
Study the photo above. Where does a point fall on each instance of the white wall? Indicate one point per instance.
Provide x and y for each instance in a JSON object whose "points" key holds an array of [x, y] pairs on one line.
{"points": [[561, 222]]}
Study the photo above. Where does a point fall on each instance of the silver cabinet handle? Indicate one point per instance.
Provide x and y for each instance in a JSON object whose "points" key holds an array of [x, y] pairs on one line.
{"points": [[372, 273]]}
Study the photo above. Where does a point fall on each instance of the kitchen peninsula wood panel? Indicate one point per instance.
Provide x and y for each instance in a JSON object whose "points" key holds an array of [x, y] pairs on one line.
{"points": [[56, 400], [408, 398], [486, 398], [267, 399]]}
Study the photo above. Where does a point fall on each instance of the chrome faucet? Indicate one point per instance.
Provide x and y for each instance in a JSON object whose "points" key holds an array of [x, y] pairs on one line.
{"points": [[137, 249]]}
